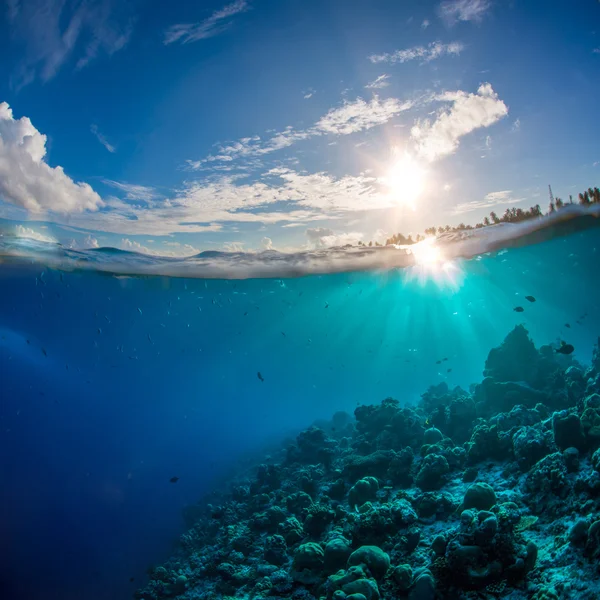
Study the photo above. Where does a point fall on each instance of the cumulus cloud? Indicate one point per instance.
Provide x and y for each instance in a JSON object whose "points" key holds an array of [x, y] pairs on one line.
{"points": [[102, 139], [360, 115], [425, 24], [26, 180], [54, 32], [322, 237], [463, 10], [490, 200], [133, 191], [266, 243], [31, 234], [467, 113], [180, 251], [424, 53], [90, 242], [218, 22]]}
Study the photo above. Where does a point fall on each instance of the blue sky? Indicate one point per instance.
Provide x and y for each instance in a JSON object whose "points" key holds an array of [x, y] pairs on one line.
{"points": [[171, 128]]}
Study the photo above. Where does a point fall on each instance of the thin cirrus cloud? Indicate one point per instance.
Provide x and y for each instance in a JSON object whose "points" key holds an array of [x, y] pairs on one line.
{"points": [[102, 139], [380, 82], [490, 200], [441, 137], [360, 115], [351, 117], [426, 54], [218, 22], [133, 191], [453, 11], [55, 32]]}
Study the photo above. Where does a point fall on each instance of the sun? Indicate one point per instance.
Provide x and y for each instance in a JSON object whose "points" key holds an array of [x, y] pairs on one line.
{"points": [[405, 181]]}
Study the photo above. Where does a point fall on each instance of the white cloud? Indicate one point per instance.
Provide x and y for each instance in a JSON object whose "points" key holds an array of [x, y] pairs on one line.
{"points": [[424, 53], [282, 196], [595, 164], [133, 191], [490, 200], [90, 242], [467, 113], [266, 243], [360, 115], [380, 82], [488, 141], [87, 243], [425, 24], [102, 139], [321, 237], [218, 22], [233, 246], [463, 10], [309, 93], [351, 117], [26, 180], [381, 235], [596, 50], [516, 126], [182, 251], [31, 234], [53, 31], [254, 146]]}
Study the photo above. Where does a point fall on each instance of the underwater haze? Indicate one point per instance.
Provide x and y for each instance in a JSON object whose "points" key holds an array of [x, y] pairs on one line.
{"points": [[112, 386]]}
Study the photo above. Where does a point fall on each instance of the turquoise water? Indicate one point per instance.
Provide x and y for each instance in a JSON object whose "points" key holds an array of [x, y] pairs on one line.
{"points": [[112, 385]]}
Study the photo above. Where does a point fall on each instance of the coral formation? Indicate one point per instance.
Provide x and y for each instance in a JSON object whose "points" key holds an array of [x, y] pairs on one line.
{"points": [[491, 493]]}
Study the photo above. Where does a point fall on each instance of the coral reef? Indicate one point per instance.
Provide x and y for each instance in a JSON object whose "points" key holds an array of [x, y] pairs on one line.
{"points": [[492, 493]]}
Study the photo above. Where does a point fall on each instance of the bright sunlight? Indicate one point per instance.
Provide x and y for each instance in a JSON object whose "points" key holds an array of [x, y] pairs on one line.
{"points": [[405, 181]]}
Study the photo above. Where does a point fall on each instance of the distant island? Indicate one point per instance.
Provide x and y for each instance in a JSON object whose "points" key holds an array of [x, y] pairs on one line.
{"points": [[511, 215]]}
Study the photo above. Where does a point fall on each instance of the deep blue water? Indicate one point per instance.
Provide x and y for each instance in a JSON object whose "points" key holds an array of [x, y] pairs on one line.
{"points": [[144, 379]]}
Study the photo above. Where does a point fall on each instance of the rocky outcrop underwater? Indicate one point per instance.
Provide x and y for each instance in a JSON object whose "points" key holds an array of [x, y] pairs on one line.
{"points": [[488, 493]]}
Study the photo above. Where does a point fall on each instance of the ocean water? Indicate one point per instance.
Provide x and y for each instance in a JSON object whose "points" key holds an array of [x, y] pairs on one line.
{"points": [[112, 381]]}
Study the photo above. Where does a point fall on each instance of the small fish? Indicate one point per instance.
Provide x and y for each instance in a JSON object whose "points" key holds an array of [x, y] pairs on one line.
{"points": [[519, 309], [99, 330], [246, 314], [150, 339], [438, 362], [28, 341], [565, 348], [44, 352], [283, 333], [131, 579], [530, 298], [567, 326], [444, 359], [140, 311], [326, 305], [449, 371], [174, 479], [260, 376]]}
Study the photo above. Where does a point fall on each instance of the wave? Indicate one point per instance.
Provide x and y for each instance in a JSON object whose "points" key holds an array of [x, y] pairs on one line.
{"points": [[273, 264]]}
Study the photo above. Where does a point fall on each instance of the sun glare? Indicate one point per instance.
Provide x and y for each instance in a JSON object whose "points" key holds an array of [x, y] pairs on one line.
{"points": [[431, 264], [405, 181]]}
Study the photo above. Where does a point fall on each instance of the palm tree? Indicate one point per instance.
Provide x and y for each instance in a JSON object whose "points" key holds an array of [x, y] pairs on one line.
{"points": [[486, 221]]}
